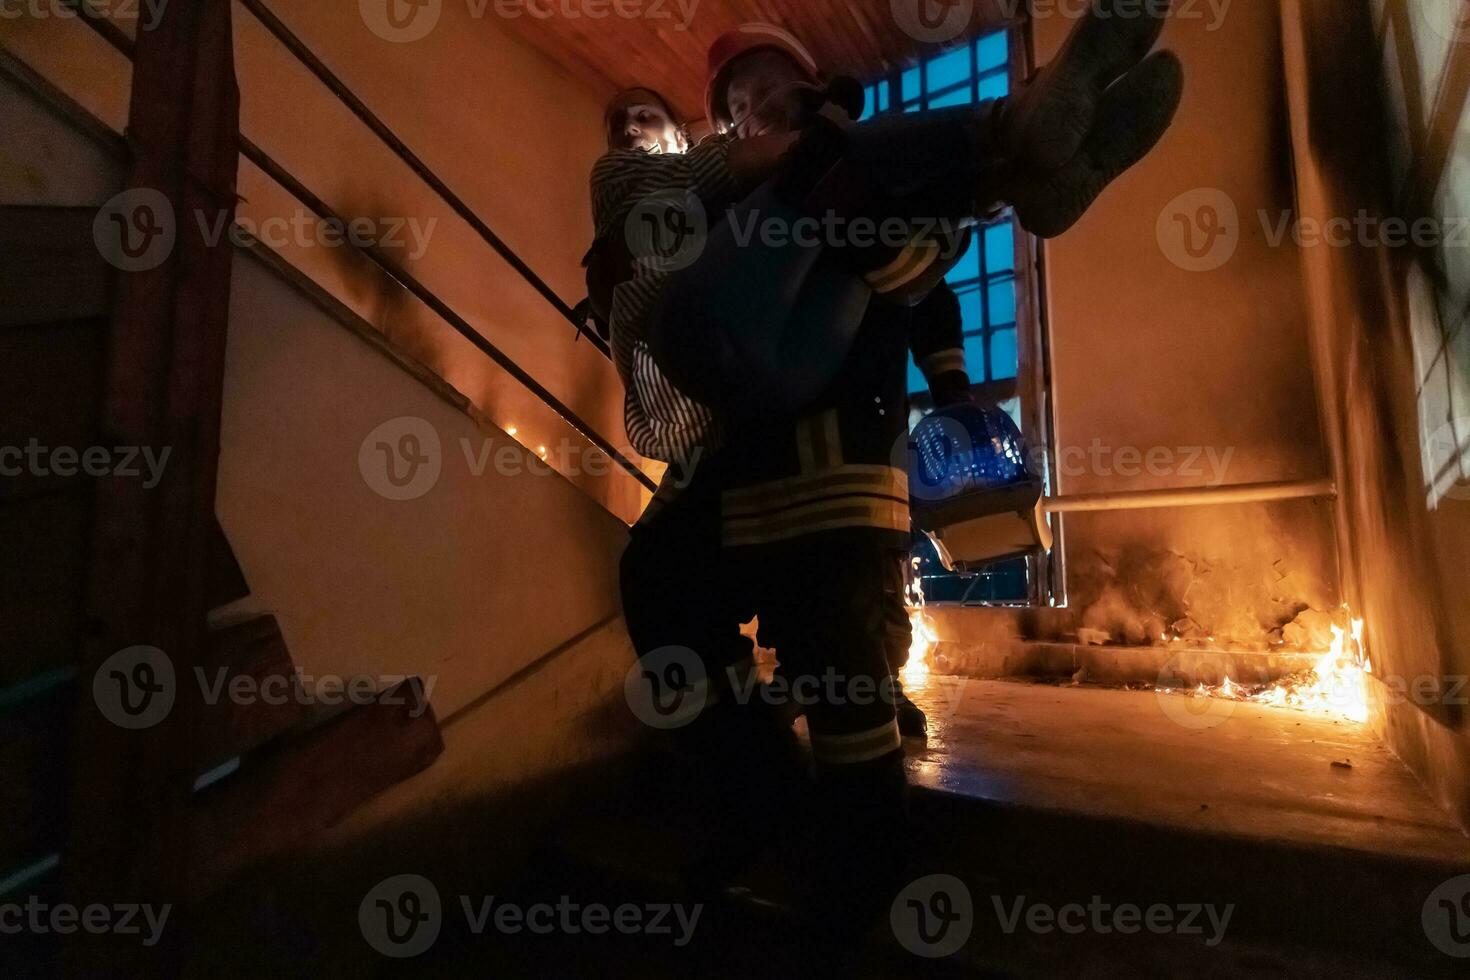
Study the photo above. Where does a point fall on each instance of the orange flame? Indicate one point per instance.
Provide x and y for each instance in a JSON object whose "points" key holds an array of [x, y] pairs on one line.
{"points": [[1336, 684], [916, 671]]}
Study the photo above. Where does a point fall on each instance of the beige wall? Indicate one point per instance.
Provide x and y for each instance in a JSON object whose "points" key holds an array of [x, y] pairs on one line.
{"points": [[509, 131], [1207, 369], [1374, 316], [468, 583]]}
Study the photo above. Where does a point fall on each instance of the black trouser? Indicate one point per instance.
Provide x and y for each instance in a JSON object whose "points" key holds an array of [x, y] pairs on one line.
{"points": [[677, 587], [827, 604], [830, 604], [898, 632]]}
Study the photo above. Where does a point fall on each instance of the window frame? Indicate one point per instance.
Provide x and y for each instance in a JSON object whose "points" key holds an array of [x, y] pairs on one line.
{"points": [[1046, 576]]}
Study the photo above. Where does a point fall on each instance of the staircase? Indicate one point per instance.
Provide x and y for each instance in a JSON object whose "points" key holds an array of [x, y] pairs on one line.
{"points": [[269, 775]]}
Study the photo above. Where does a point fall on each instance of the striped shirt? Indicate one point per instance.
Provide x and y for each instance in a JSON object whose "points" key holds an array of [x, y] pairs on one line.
{"points": [[632, 187], [662, 422]]}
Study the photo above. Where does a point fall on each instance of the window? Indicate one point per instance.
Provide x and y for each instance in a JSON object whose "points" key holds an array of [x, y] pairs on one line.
{"points": [[985, 282], [988, 281]]}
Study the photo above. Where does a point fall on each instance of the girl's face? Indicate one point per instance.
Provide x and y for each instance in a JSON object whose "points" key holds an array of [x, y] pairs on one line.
{"points": [[642, 123], [763, 93]]}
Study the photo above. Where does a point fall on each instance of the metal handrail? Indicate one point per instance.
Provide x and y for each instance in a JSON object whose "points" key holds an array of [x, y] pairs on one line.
{"points": [[390, 139], [119, 40]]}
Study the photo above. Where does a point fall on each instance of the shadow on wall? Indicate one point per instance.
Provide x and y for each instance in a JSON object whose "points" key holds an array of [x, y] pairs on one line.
{"points": [[394, 310]]}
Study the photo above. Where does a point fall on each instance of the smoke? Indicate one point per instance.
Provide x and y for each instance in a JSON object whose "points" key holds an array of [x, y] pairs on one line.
{"points": [[1241, 586]]}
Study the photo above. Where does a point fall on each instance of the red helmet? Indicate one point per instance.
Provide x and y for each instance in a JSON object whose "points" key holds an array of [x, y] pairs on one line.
{"points": [[742, 40]]}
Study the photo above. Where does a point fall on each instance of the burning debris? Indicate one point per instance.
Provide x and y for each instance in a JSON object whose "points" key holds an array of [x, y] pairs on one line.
{"points": [[1336, 685]]}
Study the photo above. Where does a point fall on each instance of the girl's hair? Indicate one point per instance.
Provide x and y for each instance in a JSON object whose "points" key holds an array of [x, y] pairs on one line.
{"points": [[614, 117]]}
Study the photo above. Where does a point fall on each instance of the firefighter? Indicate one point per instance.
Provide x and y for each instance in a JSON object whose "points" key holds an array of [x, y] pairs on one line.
{"points": [[813, 509], [811, 506]]}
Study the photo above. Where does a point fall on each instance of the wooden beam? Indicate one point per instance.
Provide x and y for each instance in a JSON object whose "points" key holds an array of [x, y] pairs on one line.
{"points": [[128, 806]]}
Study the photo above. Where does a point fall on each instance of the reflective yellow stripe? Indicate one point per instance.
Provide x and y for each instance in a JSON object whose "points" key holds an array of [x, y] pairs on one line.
{"points": [[939, 362], [852, 478], [901, 261], [846, 512], [833, 438], [858, 747], [911, 263], [806, 453], [818, 442]]}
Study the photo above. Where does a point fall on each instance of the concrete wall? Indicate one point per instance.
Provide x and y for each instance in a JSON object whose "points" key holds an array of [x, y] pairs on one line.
{"points": [[1391, 387], [1166, 374]]}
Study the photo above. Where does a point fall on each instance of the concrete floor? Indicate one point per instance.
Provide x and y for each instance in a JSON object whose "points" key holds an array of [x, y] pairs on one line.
{"points": [[1226, 768], [1052, 795]]}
